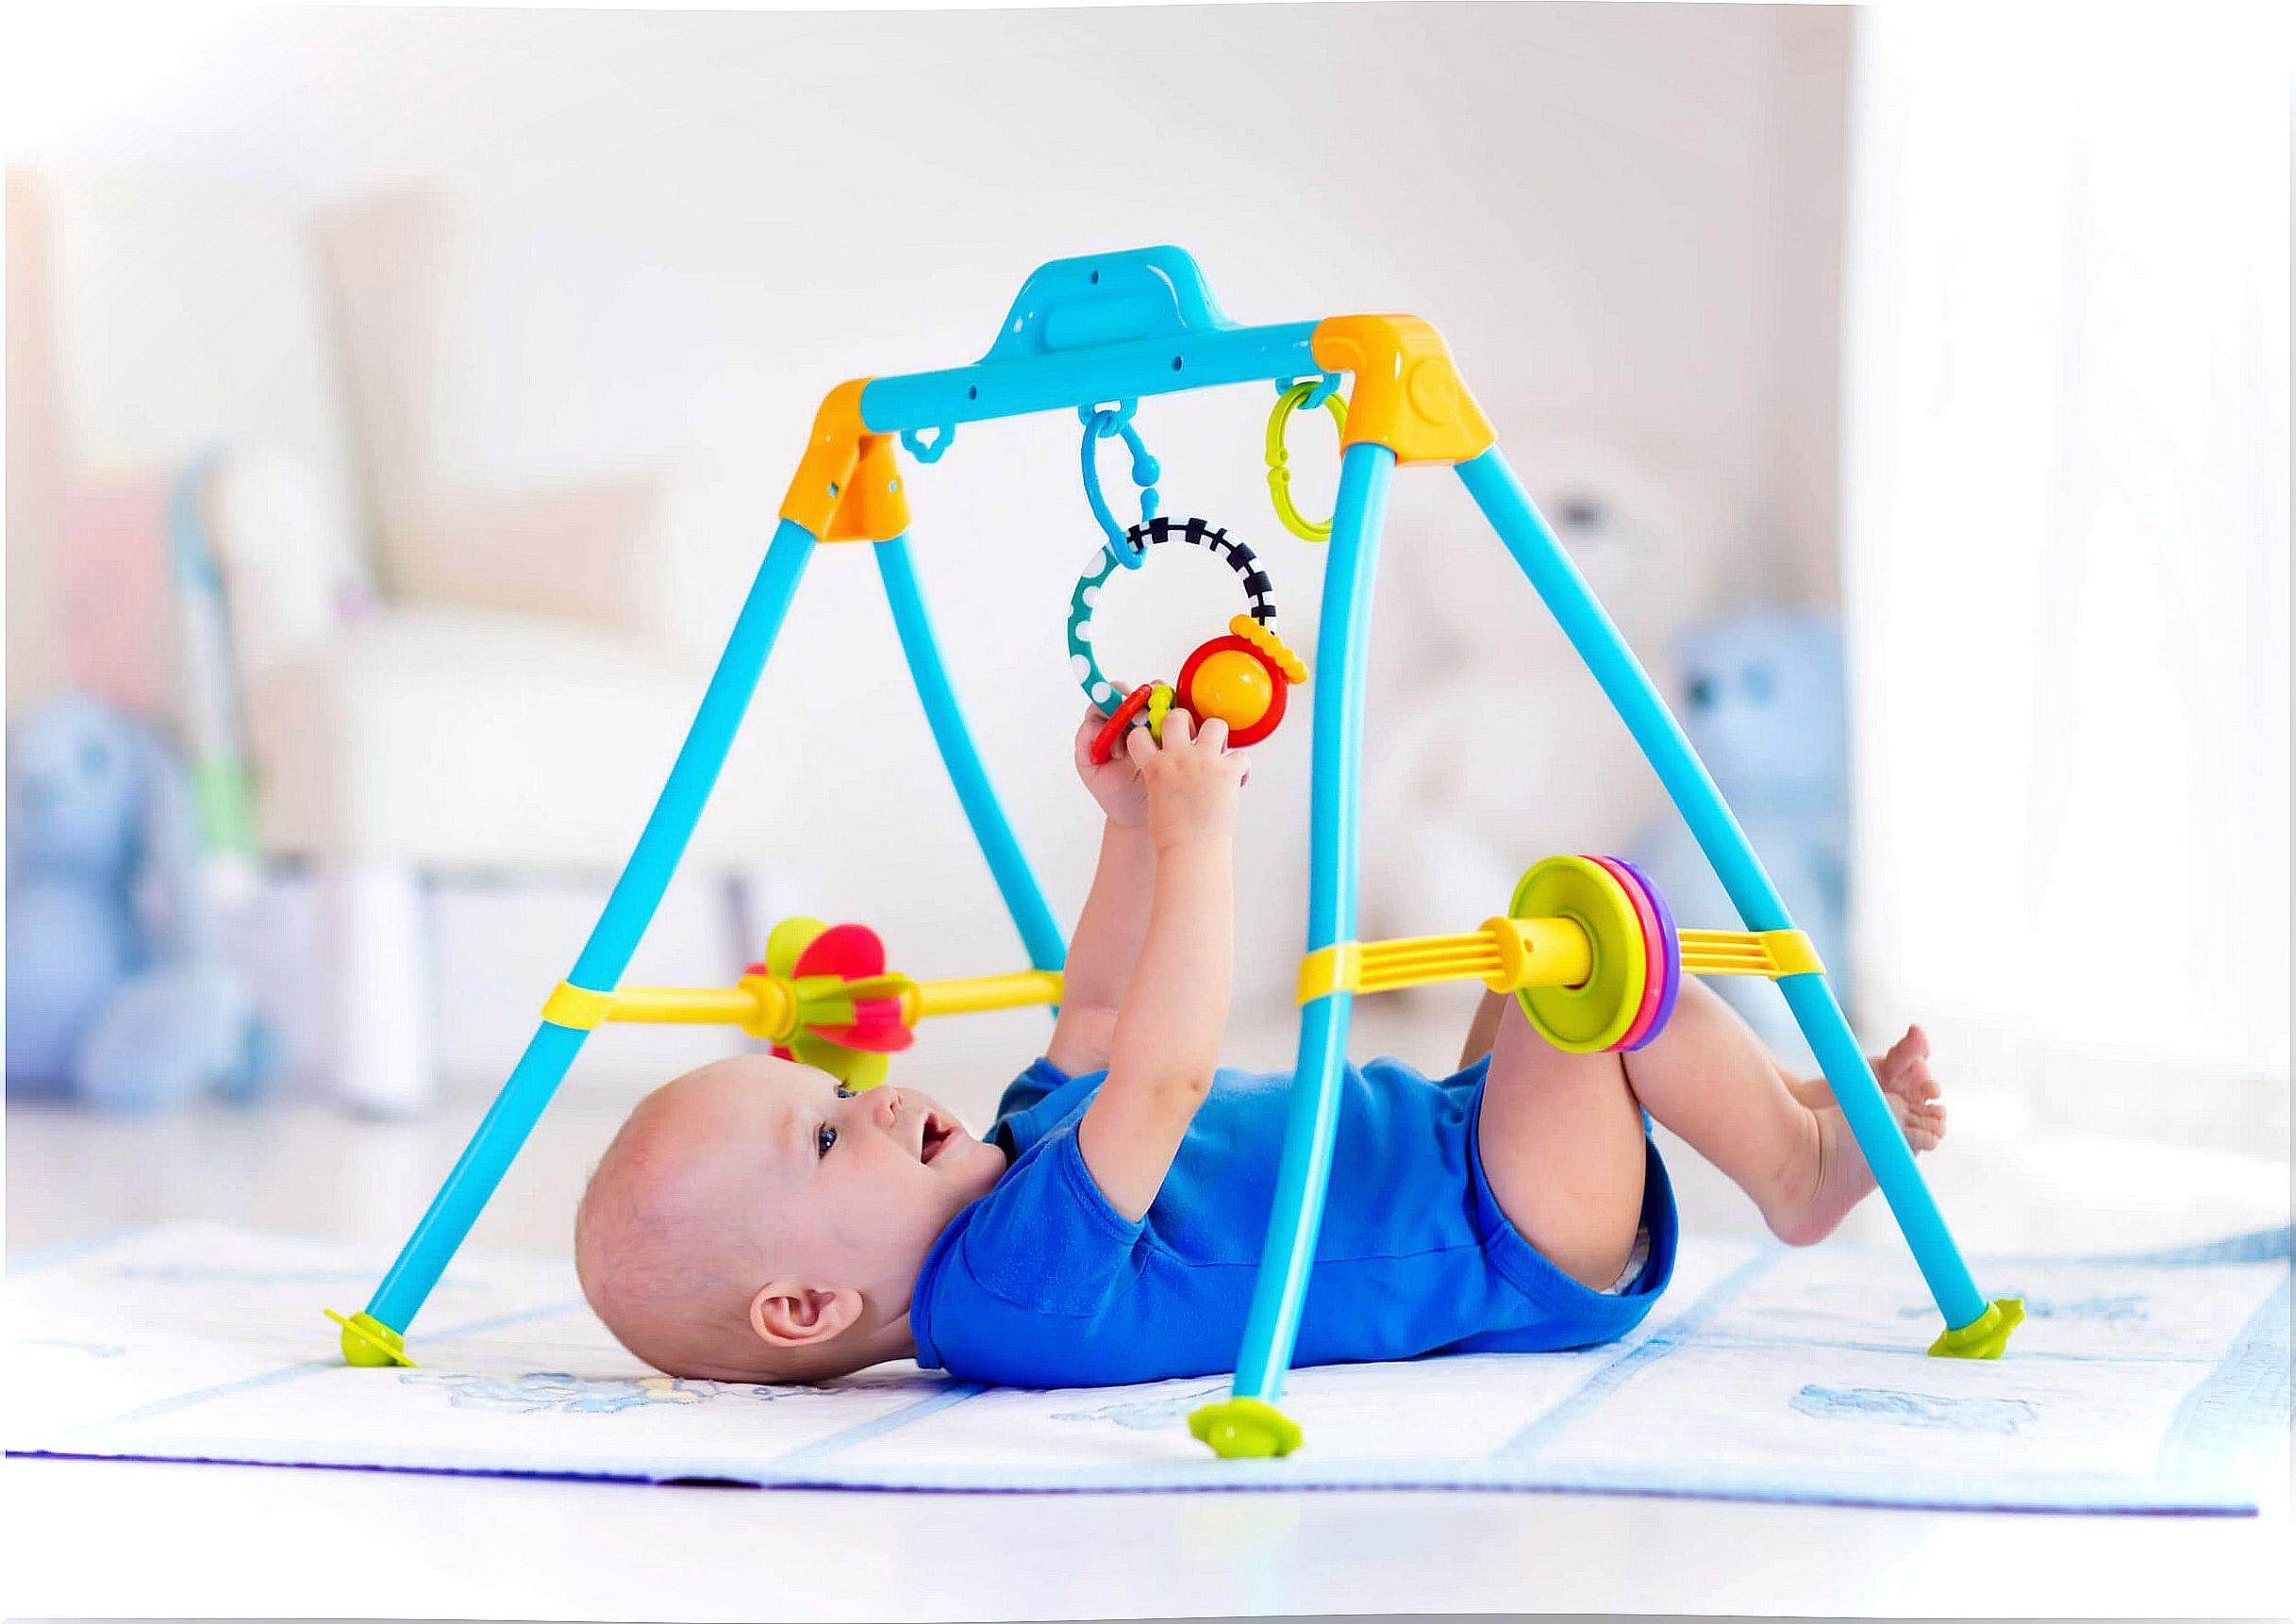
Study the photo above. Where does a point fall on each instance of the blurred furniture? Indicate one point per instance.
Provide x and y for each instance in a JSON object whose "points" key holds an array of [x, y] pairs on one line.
{"points": [[434, 680]]}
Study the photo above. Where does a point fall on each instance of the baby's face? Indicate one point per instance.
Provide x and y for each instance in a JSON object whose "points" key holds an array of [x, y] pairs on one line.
{"points": [[877, 1176]]}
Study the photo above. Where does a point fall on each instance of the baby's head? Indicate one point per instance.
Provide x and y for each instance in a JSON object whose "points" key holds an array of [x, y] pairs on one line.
{"points": [[753, 1221]]}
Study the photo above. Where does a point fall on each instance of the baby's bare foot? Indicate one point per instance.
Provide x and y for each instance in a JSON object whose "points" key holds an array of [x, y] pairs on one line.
{"points": [[1835, 1177]]}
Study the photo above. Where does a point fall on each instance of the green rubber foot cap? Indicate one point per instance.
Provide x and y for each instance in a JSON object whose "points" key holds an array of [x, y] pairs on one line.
{"points": [[366, 1341], [1244, 1428], [1985, 1336]]}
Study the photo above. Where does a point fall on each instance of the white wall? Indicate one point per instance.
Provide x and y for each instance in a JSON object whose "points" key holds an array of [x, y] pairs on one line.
{"points": [[686, 226], [2069, 557]]}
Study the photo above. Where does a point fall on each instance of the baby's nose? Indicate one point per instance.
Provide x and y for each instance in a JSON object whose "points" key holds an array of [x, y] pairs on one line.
{"points": [[886, 1100]]}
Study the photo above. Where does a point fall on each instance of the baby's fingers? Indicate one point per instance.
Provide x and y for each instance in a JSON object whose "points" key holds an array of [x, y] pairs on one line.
{"points": [[1213, 735], [1140, 747], [1087, 730]]}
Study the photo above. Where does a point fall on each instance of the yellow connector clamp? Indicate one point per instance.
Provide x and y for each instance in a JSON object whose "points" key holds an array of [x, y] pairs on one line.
{"points": [[1328, 969], [577, 1008]]}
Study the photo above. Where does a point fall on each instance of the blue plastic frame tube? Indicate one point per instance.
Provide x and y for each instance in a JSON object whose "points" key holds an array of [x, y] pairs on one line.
{"points": [[628, 910], [1014, 881], [1640, 706], [1159, 366], [1296, 1215]]}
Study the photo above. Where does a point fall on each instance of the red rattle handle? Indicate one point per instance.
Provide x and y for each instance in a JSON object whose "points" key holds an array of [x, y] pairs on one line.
{"points": [[1103, 742]]}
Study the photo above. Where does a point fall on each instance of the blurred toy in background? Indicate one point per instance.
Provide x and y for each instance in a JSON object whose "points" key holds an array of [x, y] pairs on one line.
{"points": [[146, 630], [115, 995], [1762, 697], [1486, 735]]}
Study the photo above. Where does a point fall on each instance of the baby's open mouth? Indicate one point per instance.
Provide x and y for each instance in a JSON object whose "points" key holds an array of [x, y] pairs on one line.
{"points": [[936, 1137]]}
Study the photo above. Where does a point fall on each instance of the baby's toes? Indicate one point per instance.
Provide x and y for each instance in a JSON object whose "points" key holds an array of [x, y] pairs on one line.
{"points": [[1905, 1071], [1910, 1110]]}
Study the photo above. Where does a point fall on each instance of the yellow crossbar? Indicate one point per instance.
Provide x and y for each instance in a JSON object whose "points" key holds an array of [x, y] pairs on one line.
{"points": [[1506, 954], [683, 1005], [964, 996], [1410, 960], [1503, 955], [765, 1004], [1771, 953]]}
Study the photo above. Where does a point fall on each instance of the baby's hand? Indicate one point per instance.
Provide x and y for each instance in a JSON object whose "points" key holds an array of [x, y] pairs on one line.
{"points": [[1190, 780], [1114, 783]]}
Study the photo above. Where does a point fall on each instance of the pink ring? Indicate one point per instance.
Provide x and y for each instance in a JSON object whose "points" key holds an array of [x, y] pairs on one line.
{"points": [[1654, 954], [1670, 943]]}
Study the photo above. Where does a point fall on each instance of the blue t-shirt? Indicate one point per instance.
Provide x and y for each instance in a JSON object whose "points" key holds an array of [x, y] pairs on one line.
{"points": [[1040, 1282]]}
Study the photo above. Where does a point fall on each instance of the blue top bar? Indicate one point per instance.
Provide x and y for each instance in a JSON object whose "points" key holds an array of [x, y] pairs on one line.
{"points": [[1105, 299], [1103, 327]]}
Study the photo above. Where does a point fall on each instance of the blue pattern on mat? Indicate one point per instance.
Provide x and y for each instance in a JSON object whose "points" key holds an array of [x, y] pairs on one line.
{"points": [[1915, 1409]]}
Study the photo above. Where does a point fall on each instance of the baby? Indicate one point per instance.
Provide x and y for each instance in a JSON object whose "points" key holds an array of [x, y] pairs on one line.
{"points": [[753, 1221]]}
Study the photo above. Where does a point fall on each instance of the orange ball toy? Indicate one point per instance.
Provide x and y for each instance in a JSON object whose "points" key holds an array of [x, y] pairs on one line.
{"points": [[1233, 687], [1230, 679]]}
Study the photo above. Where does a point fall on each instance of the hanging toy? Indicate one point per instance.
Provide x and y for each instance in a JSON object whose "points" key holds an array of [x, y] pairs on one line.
{"points": [[1242, 678], [1314, 393]]}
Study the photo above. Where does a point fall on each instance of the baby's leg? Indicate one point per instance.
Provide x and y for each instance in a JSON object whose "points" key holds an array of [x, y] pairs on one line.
{"points": [[1561, 1138], [1781, 1138], [1563, 1133]]}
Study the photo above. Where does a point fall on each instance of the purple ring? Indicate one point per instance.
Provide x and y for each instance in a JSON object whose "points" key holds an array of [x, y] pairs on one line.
{"points": [[1672, 942]]}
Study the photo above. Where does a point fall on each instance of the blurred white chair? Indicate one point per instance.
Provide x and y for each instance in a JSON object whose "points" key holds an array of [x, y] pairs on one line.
{"points": [[501, 703]]}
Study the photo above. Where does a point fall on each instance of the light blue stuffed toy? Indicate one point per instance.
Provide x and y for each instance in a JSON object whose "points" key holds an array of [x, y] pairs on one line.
{"points": [[1762, 697], [114, 993]]}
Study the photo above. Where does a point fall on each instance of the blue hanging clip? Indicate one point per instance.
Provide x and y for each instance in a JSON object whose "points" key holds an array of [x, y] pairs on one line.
{"points": [[1103, 422], [924, 450], [1324, 385]]}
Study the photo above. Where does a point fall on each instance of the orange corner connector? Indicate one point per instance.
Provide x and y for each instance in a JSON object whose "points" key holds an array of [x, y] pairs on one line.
{"points": [[848, 486], [1407, 394]]}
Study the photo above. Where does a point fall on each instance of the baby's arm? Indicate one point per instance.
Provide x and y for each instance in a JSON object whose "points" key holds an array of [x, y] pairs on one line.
{"points": [[1103, 951], [1166, 1041], [1115, 918]]}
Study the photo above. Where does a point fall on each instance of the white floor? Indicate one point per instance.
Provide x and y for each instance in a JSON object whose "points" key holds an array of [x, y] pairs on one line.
{"points": [[253, 1542]]}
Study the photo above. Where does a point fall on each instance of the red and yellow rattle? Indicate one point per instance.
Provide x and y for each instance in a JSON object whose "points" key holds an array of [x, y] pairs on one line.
{"points": [[1242, 678]]}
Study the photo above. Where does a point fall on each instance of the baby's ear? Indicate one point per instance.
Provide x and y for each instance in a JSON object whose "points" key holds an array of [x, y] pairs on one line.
{"points": [[788, 1314]]}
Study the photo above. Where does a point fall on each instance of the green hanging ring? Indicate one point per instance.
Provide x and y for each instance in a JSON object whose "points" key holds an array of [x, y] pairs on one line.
{"points": [[1279, 476]]}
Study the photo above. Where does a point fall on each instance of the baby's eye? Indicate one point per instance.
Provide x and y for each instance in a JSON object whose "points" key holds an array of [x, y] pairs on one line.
{"points": [[844, 1092], [823, 1136]]}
